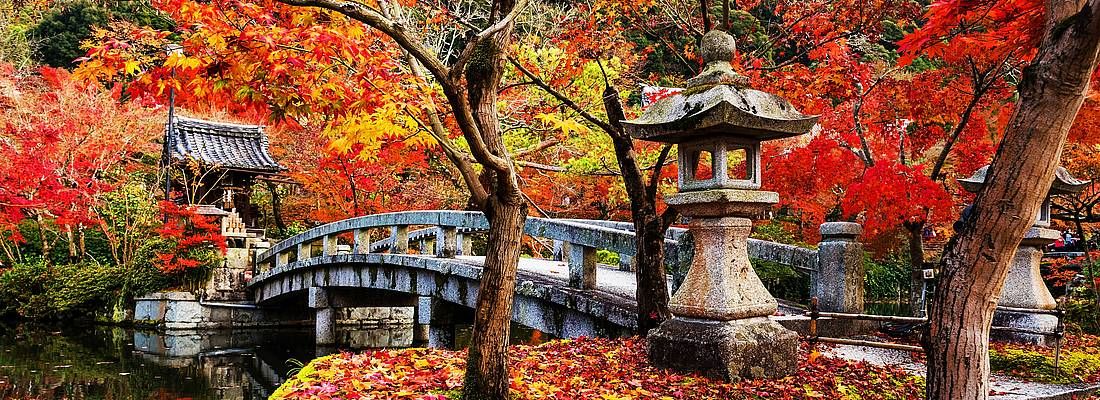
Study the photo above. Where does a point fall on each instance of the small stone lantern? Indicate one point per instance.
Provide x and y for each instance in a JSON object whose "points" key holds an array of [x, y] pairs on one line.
{"points": [[1024, 288], [720, 325]]}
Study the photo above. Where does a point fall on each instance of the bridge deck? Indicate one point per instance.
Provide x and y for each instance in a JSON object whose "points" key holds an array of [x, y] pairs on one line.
{"points": [[610, 281]]}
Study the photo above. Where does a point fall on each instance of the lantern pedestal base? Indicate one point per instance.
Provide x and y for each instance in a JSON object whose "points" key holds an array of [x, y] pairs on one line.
{"points": [[1028, 321], [1024, 288], [729, 350]]}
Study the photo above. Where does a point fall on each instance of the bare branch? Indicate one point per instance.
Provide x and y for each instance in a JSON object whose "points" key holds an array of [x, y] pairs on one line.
{"points": [[655, 177], [565, 100], [545, 144]]}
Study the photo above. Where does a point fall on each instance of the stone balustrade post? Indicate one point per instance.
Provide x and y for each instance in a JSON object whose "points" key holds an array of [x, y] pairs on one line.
{"points": [[325, 320], [446, 242], [838, 281], [558, 254], [582, 266], [400, 235], [626, 262], [465, 245], [282, 258], [362, 241], [303, 251], [328, 245]]}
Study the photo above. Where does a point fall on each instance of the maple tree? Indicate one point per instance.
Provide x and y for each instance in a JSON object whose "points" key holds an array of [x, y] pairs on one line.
{"points": [[1066, 42], [902, 112], [62, 156], [1080, 158], [190, 237], [303, 48]]}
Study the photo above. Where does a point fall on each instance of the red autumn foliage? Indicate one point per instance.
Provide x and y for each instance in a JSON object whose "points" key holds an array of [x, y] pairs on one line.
{"points": [[189, 233], [889, 195], [65, 143]]}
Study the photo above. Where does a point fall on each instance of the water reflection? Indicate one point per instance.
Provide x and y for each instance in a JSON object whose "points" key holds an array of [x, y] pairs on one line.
{"points": [[95, 362]]}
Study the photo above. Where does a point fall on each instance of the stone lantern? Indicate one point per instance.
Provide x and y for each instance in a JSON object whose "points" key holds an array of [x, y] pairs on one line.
{"points": [[1024, 288], [720, 325]]}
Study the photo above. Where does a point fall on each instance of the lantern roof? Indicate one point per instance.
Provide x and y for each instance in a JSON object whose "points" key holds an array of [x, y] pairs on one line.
{"points": [[1064, 182], [717, 102]]}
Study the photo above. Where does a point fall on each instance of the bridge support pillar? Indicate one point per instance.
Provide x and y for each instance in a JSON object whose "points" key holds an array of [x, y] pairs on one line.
{"points": [[435, 322], [423, 318], [325, 318], [465, 245], [304, 251], [328, 245]]}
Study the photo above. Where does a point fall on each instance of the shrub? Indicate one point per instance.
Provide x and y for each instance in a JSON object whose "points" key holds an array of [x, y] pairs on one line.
{"points": [[886, 279], [79, 291], [61, 33], [35, 291], [783, 281]]}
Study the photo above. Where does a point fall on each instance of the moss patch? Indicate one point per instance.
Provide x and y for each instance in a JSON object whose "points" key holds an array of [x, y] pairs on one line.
{"points": [[1079, 361]]}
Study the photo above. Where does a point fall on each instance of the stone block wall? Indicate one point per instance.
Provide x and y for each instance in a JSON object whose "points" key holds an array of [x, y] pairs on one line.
{"points": [[374, 316], [182, 310]]}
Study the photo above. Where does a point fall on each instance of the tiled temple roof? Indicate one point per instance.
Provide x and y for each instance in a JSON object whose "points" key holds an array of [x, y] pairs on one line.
{"points": [[225, 145]]}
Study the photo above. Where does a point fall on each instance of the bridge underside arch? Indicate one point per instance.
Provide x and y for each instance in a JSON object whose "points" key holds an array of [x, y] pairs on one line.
{"points": [[539, 303]]}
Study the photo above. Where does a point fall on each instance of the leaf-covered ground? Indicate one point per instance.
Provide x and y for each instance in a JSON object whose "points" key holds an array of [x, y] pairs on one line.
{"points": [[584, 368], [1079, 360]]}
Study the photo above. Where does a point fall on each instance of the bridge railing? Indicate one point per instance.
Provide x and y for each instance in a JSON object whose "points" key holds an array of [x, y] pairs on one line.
{"points": [[835, 267], [449, 231]]}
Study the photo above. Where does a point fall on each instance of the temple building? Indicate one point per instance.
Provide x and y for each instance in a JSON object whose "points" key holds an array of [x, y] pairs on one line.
{"points": [[215, 165]]}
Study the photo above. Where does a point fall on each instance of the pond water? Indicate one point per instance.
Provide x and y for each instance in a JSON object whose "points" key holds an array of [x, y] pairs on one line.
{"points": [[111, 363]]}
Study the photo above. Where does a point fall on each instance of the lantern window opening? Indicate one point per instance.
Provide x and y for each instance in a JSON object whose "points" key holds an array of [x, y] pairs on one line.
{"points": [[1043, 219], [719, 163], [740, 164], [702, 165]]}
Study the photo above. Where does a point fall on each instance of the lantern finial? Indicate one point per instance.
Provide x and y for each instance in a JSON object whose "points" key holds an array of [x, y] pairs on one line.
{"points": [[717, 49]]}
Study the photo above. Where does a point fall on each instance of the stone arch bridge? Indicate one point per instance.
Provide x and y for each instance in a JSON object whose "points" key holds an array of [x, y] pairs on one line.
{"points": [[424, 258]]}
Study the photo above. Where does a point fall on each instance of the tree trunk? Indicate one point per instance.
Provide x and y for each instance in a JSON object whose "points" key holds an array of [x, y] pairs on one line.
{"points": [[487, 362], [916, 267], [651, 292], [351, 185], [45, 241], [276, 206], [976, 261], [505, 208], [82, 244], [70, 237], [112, 243]]}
